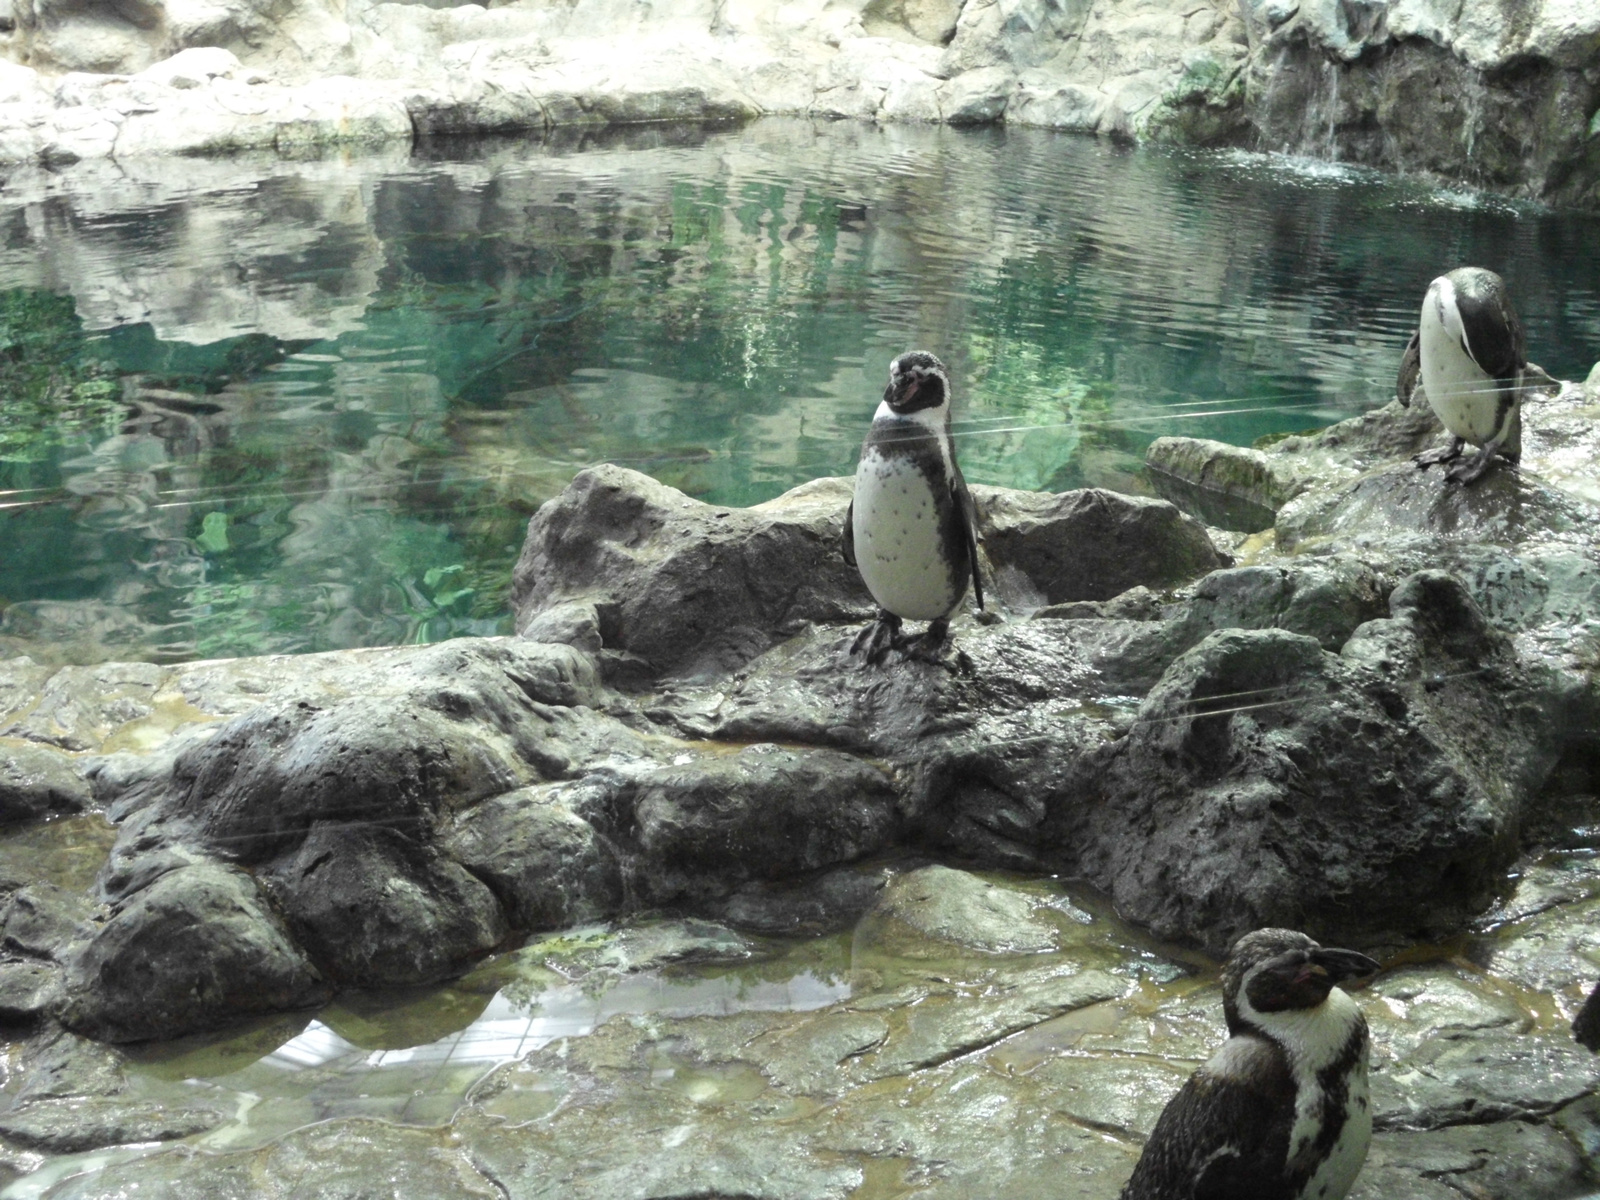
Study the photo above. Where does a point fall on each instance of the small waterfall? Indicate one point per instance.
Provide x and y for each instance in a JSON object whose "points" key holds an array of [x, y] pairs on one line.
{"points": [[1331, 146]]}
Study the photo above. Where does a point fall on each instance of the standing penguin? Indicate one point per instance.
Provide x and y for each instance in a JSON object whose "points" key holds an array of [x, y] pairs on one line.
{"points": [[1281, 1111], [1471, 356], [910, 530]]}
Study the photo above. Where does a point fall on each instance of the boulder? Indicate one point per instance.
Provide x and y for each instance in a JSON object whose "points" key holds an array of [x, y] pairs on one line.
{"points": [[957, 906], [374, 907], [685, 587], [1092, 544], [198, 948], [765, 812], [622, 563], [1267, 781], [43, 919], [548, 866]]}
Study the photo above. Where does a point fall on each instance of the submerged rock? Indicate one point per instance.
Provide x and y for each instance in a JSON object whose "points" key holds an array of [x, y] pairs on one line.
{"points": [[958, 907]]}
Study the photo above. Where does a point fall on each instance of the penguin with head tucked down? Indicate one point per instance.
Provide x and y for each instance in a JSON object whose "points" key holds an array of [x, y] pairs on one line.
{"points": [[1281, 1111], [911, 530], [1470, 356]]}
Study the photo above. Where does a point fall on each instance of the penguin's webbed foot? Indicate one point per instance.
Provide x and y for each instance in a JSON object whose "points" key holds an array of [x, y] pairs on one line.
{"points": [[927, 646], [1440, 454], [1476, 467], [877, 639]]}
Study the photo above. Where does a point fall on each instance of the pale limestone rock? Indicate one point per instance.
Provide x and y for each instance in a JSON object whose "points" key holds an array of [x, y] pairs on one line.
{"points": [[1208, 71], [192, 68], [977, 97]]}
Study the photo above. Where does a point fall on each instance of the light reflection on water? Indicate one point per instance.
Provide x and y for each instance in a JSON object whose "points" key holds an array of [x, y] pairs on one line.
{"points": [[318, 1074], [507, 1030]]}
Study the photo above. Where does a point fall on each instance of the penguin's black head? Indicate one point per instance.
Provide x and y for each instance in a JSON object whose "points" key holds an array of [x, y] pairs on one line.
{"points": [[1275, 970], [917, 380]]}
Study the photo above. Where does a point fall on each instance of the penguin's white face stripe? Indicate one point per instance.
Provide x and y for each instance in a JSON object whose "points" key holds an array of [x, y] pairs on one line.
{"points": [[1442, 297], [1312, 1037]]}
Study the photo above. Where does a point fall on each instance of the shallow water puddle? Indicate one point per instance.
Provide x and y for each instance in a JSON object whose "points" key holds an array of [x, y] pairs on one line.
{"points": [[67, 851]]}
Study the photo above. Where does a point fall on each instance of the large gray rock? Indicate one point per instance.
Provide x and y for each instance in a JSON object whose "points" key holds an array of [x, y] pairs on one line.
{"points": [[374, 907], [765, 812], [622, 563], [955, 906], [1092, 544], [200, 947], [549, 867], [1269, 782]]}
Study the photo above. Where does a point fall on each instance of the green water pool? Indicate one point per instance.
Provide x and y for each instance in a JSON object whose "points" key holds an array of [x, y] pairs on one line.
{"points": [[259, 406]]}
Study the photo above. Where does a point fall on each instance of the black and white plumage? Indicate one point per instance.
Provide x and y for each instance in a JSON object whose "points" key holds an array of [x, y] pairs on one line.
{"points": [[1470, 356], [1281, 1111], [911, 530]]}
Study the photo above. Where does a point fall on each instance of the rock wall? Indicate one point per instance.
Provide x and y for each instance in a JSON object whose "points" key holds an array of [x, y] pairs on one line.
{"points": [[1501, 95]]}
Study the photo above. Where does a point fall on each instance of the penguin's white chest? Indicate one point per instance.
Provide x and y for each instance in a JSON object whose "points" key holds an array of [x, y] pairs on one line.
{"points": [[1463, 397], [898, 543], [1336, 1175]]}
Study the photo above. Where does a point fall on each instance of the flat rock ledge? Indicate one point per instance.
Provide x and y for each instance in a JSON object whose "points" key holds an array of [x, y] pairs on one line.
{"points": [[1357, 741], [1494, 94]]}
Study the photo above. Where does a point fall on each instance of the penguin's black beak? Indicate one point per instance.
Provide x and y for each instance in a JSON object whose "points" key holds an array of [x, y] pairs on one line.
{"points": [[1341, 965]]}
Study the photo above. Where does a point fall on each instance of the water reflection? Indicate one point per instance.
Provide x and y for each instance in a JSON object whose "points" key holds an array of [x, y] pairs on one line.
{"points": [[507, 1029], [327, 1069], [350, 382]]}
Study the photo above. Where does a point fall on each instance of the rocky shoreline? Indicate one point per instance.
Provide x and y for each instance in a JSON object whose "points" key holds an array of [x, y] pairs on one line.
{"points": [[1497, 96], [1376, 720]]}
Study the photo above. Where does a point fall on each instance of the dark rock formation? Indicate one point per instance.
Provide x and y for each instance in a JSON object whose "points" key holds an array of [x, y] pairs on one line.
{"points": [[1269, 782], [200, 945], [622, 564], [1499, 96], [1091, 544], [1355, 741]]}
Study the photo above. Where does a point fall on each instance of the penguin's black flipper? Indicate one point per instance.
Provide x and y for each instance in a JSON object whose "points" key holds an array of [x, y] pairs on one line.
{"points": [[1223, 1136], [849, 545], [1410, 369], [969, 525], [1586, 1026]]}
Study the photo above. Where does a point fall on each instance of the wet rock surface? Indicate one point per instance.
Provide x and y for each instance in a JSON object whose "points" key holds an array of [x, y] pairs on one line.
{"points": [[1035, 1072]]}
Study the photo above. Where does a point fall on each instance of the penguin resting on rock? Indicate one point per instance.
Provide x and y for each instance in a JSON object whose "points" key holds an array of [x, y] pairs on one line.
{"points": [[910, 529], [1471, 357], [1281, 1111]]}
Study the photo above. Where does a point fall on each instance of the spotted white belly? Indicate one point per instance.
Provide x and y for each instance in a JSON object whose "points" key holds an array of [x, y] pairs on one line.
{"points": [[1336, 1175], [896, 529], [1462, 396]]}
